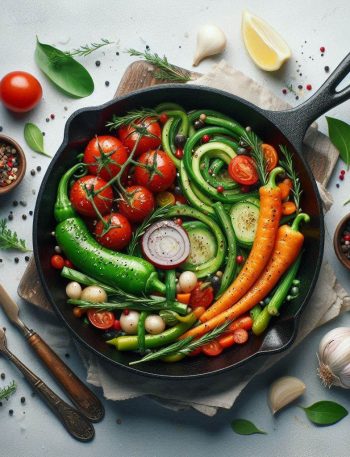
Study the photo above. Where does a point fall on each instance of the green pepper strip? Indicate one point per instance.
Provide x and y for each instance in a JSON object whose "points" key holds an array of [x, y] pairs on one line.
{"points": [[170, 284], [166, 142], [141, 332], [208, 112], [231, 263], [172, 133], [74, 275], [63, 207], [255, 312], [130, 342], [225, 140], [212, 265]]}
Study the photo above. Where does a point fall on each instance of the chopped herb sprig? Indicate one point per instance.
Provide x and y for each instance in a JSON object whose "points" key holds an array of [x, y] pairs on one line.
{"points": [[287, 164], [7, 391], [249, 138], [9, 239], [87, 49], [131, 118]]}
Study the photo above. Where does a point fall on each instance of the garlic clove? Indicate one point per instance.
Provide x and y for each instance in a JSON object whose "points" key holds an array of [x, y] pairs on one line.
{"points": [[283, 391], [211, 40]]}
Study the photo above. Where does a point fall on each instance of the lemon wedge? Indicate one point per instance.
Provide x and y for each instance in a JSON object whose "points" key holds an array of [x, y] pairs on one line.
{"points": [[264, 45]]}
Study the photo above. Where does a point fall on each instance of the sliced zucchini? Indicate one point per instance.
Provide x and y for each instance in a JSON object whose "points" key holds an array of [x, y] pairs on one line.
{"points": [[203, 244], [253, 200], [244, 217]]}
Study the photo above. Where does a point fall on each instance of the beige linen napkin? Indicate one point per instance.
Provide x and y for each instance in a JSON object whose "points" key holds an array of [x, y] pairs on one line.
{"points": [[327, 302]]}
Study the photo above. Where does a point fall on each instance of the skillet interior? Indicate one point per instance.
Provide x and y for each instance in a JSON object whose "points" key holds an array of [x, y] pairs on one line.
{"points": [[83, 125]]}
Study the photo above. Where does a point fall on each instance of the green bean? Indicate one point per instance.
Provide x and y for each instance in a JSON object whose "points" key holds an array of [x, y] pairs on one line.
{"points": [[234, 127], [166, 142], [141, 332], [213, 178], [194, 115], [255, 312], [228, 141], [170, 285], [164, 107]]}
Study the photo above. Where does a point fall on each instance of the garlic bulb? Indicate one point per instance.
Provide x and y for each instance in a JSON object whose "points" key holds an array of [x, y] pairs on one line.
{"points": [[283, 391], [334, 358], [211, 40]]}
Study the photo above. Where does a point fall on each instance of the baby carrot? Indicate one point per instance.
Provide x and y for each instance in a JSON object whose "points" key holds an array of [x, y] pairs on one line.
{"points": [[288, 208], [286, 186]]}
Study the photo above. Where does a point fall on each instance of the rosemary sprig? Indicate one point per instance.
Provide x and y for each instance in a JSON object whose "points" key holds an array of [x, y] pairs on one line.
{"points": [[249, 138], [139, 232], [165, 70], [131, 118], [7, 391], [87, 49], [184, 346], [287, 164], [9, 239]]}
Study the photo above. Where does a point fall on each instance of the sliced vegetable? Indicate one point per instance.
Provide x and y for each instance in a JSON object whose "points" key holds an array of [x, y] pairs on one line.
{"points": [[183, 298], [242, 170], [212, 349], [271, 156], [100, 319], [203, 244], [244, 218], [202, 295], [240, 336]]}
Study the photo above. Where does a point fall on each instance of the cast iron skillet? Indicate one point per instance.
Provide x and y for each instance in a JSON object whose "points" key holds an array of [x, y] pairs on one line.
{"points": [[286, 127]]}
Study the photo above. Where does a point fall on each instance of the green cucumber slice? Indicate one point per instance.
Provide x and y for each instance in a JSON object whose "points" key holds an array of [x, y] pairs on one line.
{"points": [[244, 217], [253, 200], [203, 244]]}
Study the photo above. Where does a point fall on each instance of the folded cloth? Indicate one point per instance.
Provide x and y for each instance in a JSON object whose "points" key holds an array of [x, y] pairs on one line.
{"points": [[328, 300]]}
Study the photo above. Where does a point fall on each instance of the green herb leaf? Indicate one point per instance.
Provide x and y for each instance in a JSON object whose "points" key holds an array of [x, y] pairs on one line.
{"points": [[64, 71], [34, 138], [9, 239], [339, 134], [7, 391], [245, 427], [87, 49], [325, 412]]}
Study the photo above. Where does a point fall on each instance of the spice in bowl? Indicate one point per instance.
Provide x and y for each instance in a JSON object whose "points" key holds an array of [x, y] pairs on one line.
{"points": [[342, 241], [12, 164]]}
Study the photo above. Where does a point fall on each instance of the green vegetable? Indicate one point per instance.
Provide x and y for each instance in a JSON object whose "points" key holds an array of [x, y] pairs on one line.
{"points": [[131, 117], [339, 134], [74, 275], [288, 164], [9, 239], [7, 391], [64, 71], [170, 285], [212, 172], [141, 332], [244, 218], [255, 312], [34, 138], [245, 427], [203, 245], [325, 412], [87, 49], [166, 141]]}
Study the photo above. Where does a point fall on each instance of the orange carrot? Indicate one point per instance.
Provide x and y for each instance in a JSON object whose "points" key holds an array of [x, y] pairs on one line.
{"points": [[198, 311], [288, 245], [286, 186], [245, 322], [183, 298], [288, 208], [269, 218]]}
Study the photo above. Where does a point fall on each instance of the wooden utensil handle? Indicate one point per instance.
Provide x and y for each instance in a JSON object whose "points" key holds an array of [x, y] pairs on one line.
{"points": [[75, 423], [84, 399]]}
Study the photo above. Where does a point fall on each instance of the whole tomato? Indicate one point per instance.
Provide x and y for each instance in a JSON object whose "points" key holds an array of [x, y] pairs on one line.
{"points": [[138, 205], [20, 91], [129, 136], [157, 171], [79, 196], [104, 154], [117, 234]]}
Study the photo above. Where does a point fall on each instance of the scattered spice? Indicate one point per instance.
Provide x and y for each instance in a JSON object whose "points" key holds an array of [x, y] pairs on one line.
{"points": [[9, 164], [24, 217], [2, 375], [23, 399], [284, 91], [10, 216], [52, 116], [16, 259], [11, 412], [322, 49], [30, 213], [67, 355], [32, 172], [106, 83], [38, 168], [118, 421], [23, 203], [308, 87], [47, 119], [326, 68], [26, 258], [117, 53], [97, 63], [1, 128], [15, 203]]}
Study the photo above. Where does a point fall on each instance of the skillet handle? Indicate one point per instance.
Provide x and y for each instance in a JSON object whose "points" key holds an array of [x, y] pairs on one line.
{"points": [[295, 122]]}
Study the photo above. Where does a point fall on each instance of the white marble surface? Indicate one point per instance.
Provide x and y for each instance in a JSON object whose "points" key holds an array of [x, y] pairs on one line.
{"points": [[169, 28]]}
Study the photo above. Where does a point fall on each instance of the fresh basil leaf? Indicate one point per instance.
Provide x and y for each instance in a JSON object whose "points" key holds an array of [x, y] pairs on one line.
{"points": [[325, 412], [339, 134], [64, 71], [34, 138], [245, 427]]}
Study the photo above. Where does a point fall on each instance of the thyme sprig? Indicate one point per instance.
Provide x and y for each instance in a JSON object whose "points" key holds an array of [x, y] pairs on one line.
{"points": [[9, 239], [165, 70], [7, 391], [131, 117], [287, 164], [87, 49], [184, 346], [249, 138]]}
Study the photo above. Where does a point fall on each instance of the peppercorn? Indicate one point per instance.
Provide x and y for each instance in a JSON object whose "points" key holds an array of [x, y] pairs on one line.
{"points": [[198, 124], [180, 140], [32, 172], [30, 213], [15, 203], [52, 116], [2, 376], [10, 217], [38, 168], [106, 83], [16, 259], [26, 258], [11, 412], [24, 217], [326, 68], [97, 63], [23, 399]]}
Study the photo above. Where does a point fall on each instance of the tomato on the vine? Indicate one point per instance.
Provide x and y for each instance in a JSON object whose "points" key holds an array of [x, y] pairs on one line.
{"points": [[157, 171], [242, 169], [151, 140], [116, 234], [202, 296], [138, 204], [80, 199], [20, 91], [101, 319], [104, 155]]}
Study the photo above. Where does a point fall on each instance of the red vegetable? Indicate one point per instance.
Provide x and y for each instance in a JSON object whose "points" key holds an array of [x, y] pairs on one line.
{"points": [[242, 170], [79, 198], [202, 296], [157, 171], [138, 205], [212, 349], [57, 262], [117, 234], [152, 140], [20, 91], [101, 319]]}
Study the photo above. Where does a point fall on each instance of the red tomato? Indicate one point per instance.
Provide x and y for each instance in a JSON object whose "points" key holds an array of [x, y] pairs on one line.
{"points": [[240, 335], [129, 136], [20, 91], [157, 172], [270, 155], [79, 198], [117, 234], [101, 319], [68, 264], [104, 154], [212, 349], [57, 261], [202, 297], [195, 352], [226, 340], [242, 169], [140, 205]]}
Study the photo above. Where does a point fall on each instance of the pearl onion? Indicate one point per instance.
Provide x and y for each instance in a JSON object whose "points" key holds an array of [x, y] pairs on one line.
{"points": [[73, 290], [128, 322], [154, 324], [94, 294], [187, 281]]}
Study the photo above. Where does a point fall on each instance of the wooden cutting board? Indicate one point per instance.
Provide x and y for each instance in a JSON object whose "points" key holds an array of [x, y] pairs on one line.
{"points": [[138, 75]]}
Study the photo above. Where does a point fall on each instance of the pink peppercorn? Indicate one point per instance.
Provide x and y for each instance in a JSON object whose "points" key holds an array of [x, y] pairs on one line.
{"points": [[342, 172], [341, 177], [220, 189], [322, 49], [308, 87]]}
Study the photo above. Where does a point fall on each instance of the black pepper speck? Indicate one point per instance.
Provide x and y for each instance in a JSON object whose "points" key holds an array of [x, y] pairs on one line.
{"points": [[26, 258], [10, 217], [11, 412], [15, 203], [2, 375], [97, 63], [32, 172], [16, 259], [38, 168], [106, 83], [23, 399], [30, 213], [1, 128]]}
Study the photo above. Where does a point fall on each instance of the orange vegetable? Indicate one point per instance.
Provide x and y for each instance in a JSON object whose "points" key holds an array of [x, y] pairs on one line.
{"points": [[288, 208], [245, 322], [240, 336], [288, 245], [227, 340], [286, 186], [271, 156], [212, 349], [183, 298], [198, 311], [269, 218], [78, 312]]}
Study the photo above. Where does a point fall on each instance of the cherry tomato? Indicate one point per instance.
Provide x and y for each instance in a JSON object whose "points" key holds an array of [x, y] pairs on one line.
{"points": [[240, 335], [179, 153], [101, 319], [180, 199], [163, 117], [117, 234], [79, 198], [68, 264], [104, 154], [129, 136], [20, 91], [157, 171], [271, 156], [242, 169], [140, 203], [116, 325], [212, 349], [202, 297], [226, 340], [195, 352], [57, 261]]}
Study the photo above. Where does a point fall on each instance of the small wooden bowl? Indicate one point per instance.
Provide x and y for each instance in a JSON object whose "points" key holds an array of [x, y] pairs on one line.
{"points": [[21, 165], [337, 243]]}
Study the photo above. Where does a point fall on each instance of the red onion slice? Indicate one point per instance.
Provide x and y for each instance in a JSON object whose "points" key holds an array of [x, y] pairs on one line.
{"points": [[166, 245]]}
